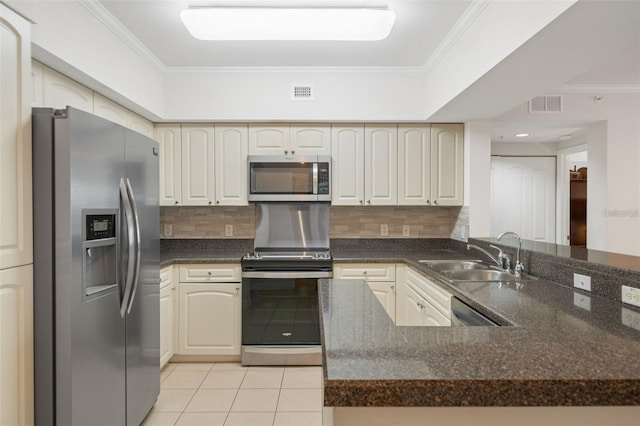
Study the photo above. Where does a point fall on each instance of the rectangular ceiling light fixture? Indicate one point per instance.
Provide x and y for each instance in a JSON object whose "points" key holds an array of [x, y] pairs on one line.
{"points": [[273, 23]]}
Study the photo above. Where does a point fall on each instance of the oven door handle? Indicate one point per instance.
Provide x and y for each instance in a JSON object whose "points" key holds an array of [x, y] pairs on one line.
{"points": [[285, 275]]}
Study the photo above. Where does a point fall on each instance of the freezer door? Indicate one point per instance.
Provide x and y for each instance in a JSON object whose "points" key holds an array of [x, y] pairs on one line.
{"points": [[90, 333], [143, 317]]}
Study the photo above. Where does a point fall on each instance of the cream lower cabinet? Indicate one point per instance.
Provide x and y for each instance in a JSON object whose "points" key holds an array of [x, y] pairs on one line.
{"points": [[381, 278], [420, 301], [16, 346], [209, 321], [168, 301]]}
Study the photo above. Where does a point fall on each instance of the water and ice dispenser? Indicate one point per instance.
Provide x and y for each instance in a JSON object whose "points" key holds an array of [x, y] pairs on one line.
{"points": [[99, 252]]}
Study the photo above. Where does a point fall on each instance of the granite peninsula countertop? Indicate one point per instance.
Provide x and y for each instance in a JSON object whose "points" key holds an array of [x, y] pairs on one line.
{"points": [[559, 346], [555, 354]]}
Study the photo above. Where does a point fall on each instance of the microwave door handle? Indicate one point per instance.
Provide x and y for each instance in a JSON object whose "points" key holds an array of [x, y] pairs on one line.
{"points": [[315, 178]]}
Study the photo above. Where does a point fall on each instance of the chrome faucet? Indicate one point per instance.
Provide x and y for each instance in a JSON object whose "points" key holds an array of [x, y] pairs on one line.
{"points": [[500, 259], [519, 267]]}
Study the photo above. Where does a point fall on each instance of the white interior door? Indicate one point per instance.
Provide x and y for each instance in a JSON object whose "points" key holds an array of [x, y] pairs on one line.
{"points": [[523, 197]]}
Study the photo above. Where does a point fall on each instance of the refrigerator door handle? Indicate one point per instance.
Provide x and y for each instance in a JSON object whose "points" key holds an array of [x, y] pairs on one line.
{"points": [[136, 274], [129, 217]]}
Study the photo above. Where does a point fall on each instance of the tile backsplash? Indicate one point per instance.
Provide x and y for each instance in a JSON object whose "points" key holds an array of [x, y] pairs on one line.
{"points": [[345, 222]]}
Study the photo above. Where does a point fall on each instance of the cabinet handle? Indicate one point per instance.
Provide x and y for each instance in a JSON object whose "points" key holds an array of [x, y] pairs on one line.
{"points": [[428, 202], [177, 203], [237, 289], [286, 152], [393, 287], [293, 152], [364, 272], [217, 201], [368, 201], [435, 201], [210, 203], [210, 273], [361, 202]]}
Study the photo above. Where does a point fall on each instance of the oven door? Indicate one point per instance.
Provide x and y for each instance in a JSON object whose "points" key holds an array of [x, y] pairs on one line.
{"points": [[281, 318]]}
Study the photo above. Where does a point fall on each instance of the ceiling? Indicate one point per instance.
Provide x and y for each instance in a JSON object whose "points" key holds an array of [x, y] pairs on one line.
{"points": [[419, 28]]}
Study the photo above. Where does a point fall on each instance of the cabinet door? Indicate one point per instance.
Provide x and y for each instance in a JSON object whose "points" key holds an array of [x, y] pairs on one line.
{"points": [[60, 91], [347, 165], [16, 245], [365, 271], [414, 165], [386, 294], [438, 297], [37, 84], [269, 139], [109, 110], [311, 139], [447, 163], [16, 344], [413, 305], [167, 315], [433, 317], [232, 146], [210, 319], [198, 174], [169, 138], [381, 165]]}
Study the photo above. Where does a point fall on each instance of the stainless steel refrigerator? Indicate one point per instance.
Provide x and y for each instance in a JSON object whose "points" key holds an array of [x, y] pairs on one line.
{"points": [[96, 270]]}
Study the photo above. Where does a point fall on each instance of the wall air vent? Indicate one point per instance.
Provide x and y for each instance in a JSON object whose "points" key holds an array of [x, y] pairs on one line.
{"points": [[302, 92], [551, 103]]}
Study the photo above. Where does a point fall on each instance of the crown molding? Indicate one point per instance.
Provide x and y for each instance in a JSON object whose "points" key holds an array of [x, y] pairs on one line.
{"points": [[451, 38], [416, 72], [112, 24], [600, 88]]}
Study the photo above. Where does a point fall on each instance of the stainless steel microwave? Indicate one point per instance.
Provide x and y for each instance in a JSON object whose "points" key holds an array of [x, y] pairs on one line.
{"points": [[289, 178]]}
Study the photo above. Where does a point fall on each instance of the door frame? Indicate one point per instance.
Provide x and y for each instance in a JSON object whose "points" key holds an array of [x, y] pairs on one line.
{"points": [[562, 192]]}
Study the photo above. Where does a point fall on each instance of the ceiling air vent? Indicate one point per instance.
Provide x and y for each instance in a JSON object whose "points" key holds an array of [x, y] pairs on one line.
{"points": [[546, 104], [302, 92]]}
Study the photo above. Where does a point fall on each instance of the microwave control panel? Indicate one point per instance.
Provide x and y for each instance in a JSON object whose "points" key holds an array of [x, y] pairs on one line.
{"points": [[323, 178]]}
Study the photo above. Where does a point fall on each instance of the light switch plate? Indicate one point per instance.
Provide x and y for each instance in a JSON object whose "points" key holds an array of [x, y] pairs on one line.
{"points": [[168, 230], [631, 295], [406, 230], [384, 229], [228, 230], [582, 282]]}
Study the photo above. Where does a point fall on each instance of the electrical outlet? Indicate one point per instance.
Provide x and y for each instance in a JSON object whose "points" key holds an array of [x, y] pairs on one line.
{"points": [[582, 282], [630, 318], [228, 230], [582, 301], [406, 230], [384, 229], [631, 295], [168, 230]]}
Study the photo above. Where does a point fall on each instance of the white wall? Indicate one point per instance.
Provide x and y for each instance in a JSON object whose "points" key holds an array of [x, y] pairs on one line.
{"points": [[613, 141], [523, 149], [351, 95], [67, 37], [477, 176]]}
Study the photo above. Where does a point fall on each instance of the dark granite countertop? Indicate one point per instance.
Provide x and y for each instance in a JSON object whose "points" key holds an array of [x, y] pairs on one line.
{"points": [[556, 351], [558, 354]]}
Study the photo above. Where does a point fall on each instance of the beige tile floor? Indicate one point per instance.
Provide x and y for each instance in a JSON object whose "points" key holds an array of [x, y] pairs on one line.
{"points": [[228, 394]]}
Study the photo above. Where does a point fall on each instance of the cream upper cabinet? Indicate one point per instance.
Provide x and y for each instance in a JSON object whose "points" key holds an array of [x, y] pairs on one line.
{"points": [[414, 164], [140, 125], [60, 92], [347, 165], [381, 165], [198, 159], [447, 163], [107, 109], [37, 84], [269, 139], [285, 139], [310, 139], [169, 138], [16, 245], [231, 150]]}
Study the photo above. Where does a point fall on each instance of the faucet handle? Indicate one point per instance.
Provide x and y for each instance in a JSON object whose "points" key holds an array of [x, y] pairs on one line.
{"points": [[500, 254]]}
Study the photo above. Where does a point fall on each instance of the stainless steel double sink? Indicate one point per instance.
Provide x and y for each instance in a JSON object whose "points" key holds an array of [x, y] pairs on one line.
{"points": [[472, 270]]}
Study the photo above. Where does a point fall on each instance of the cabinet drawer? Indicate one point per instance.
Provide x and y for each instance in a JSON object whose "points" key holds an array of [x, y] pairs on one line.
{"points": [[365, 271], [166, 277], [218, 273], [436, 295]]}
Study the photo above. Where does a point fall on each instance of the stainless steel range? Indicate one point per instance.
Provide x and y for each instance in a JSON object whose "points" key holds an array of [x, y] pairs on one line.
{"points": [[280, 314]]}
